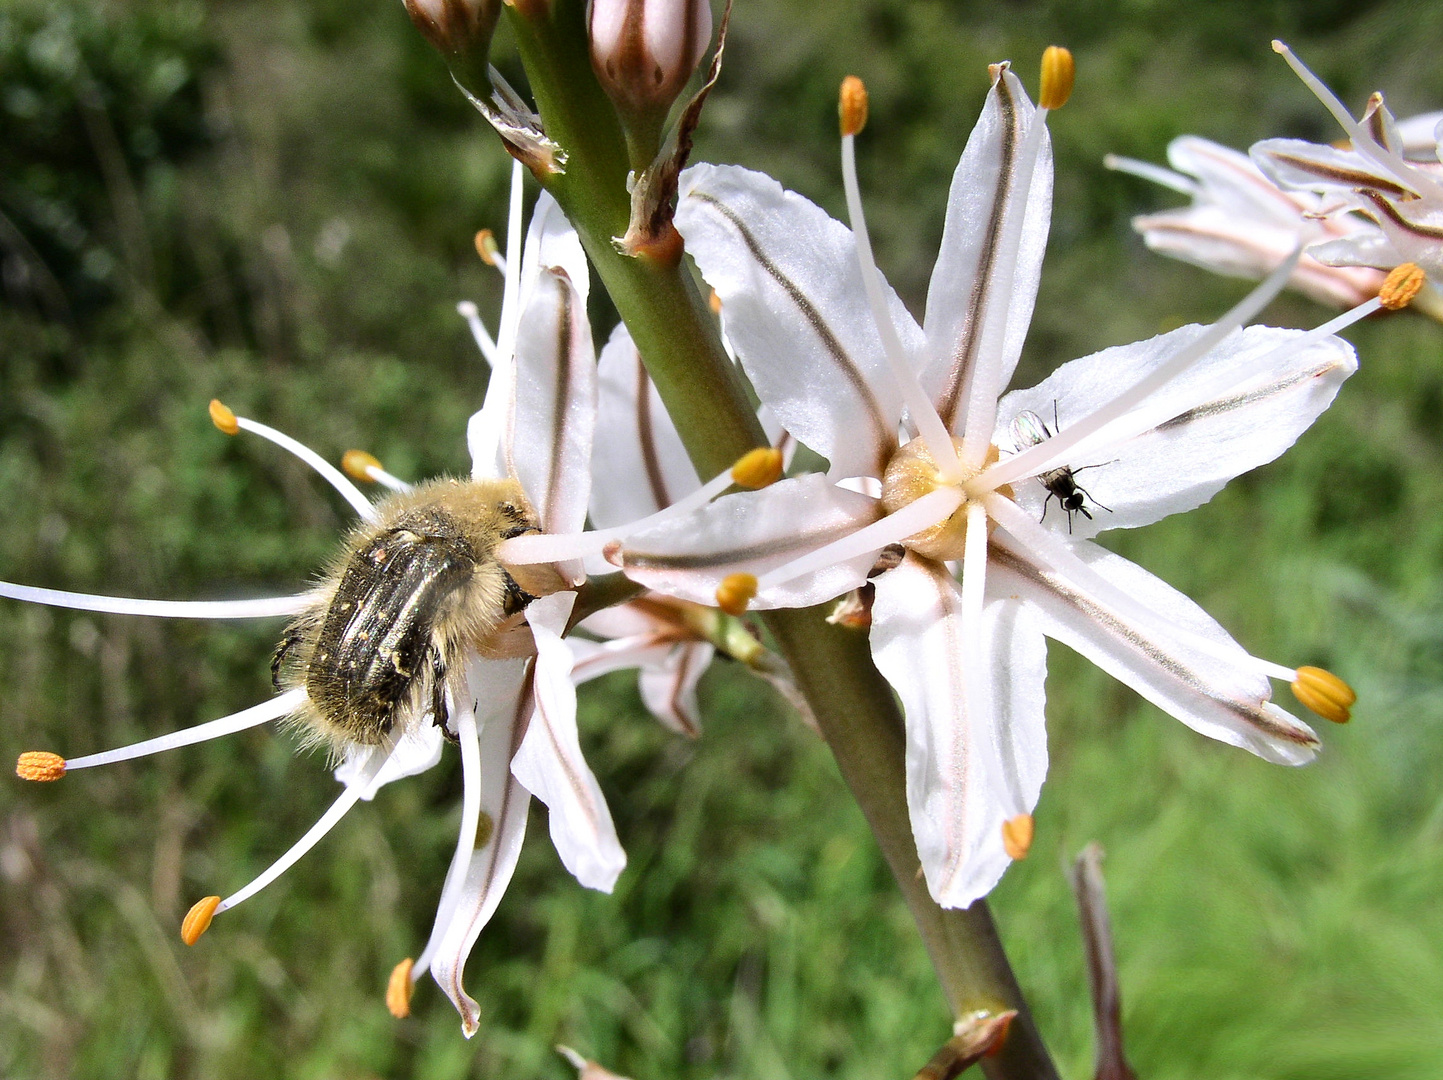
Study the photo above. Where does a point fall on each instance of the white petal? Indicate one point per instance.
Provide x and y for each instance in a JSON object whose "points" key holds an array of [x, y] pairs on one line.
{"points": [[549, 763], [964, 283], [1229, 702], [1296, 164], [1233, 183], [976, 742], [502, 690], [1223, 416], [669, 688], [593, 659], [752, 532], [554, 412], [416, 751], [552, 244], [639, 465], [795, 310]]}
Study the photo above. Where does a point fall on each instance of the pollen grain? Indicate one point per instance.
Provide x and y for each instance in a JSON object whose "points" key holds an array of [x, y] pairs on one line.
{"points": [[197, 919], [40, 765]]}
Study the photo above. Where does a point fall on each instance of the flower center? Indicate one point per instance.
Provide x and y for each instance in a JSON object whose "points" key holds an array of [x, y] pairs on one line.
{"points": [[912, 473]]}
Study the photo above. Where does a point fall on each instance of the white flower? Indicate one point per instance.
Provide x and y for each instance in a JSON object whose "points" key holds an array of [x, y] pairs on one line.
{"points": [[1242, 224], [514, 719], [931, 466], [1388, 174]]}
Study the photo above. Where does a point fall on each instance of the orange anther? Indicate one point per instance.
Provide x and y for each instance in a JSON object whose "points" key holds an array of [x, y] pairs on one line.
{"points": [[399, 988], [852, 105], [1058, 71], [758, 468], [1401, 285], [1017, 836], [487, 247], [197, 919], [714, 302], [1325, 694], [736, 592], [358, 464], [222, 417], [40, 765]]}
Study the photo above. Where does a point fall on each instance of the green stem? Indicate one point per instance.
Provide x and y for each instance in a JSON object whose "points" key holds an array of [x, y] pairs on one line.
{"points": [[680, 344]]}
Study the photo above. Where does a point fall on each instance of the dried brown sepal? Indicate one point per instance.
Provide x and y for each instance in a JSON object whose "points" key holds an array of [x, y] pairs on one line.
{"points": [[653, 196], [975, 1038], [518, 125], [854, 611]]}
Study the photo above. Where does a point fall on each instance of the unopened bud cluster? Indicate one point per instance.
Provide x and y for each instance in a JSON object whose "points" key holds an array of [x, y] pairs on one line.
{"points": [[644, 51]]}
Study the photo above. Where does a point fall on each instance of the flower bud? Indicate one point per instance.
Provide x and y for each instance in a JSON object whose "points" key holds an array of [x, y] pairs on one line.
{"points": [[644, 51], [461, 30]]}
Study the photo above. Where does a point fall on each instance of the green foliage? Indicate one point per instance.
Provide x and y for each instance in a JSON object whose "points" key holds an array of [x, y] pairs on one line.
{"points": [[283, 210]]}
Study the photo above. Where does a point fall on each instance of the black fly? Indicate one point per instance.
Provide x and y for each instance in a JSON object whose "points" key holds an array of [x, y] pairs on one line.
{"points": [[1029, 429]]}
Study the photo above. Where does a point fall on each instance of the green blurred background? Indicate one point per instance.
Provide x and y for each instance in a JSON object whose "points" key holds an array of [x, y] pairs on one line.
{"points": [[273, 204]]}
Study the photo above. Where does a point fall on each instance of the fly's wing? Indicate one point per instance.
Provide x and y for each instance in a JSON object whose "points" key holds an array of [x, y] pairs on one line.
{"points": [[1028, 429], [375, 639]]}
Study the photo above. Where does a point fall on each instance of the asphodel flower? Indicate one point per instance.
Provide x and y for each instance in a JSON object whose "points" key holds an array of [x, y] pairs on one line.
{"points": [[1242, 224], [1389, 174], [934, 469], [514, 719]]}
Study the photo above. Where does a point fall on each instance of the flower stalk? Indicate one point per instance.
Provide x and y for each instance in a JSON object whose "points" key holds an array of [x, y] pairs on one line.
{"points": [[679, 342]]}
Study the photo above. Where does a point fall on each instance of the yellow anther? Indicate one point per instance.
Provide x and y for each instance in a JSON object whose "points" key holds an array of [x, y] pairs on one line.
{"points": [[1401, 285], [40, 765], [487, 247], [358, 464], [852, 105], [197, 919], [222, 417], [399, 989], [715, 301], [1324, 693], [1017, 836], [758, 468], [1058, 71], [736, 592]]}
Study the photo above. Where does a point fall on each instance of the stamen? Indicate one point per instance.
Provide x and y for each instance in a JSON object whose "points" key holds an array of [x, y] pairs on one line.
{"points": [[714, 302], [853, 104], [328, 820], [263, 608], [984, 386], [1363, 141], [222, 417], [256, 715], [895, 528], [399, 988], [1058, 72], [40, 766], [1401, 285], [735, 592], [364, 466], [578, 1062], [489, 250], [1156, 173], [758, 468], [1323, 693], [754, 465], [197, 919], [468, 311], [1047, 454], [511, 294], [1017, 835]]}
